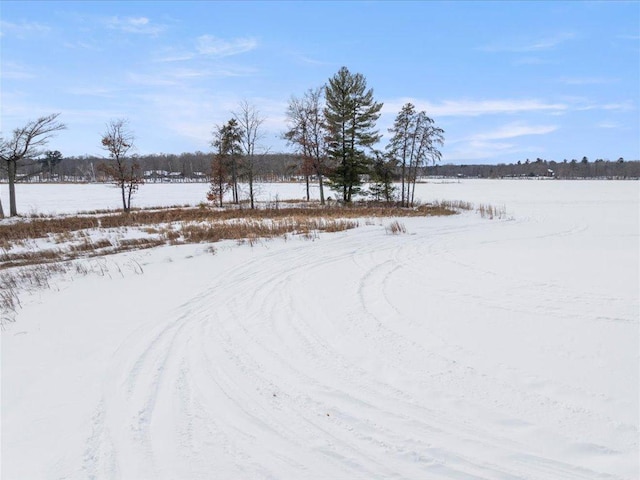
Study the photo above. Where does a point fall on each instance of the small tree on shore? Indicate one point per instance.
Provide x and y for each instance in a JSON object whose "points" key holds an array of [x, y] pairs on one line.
{"points": [[382, 173], [414, 143], [50, 161], [250, 122], [25, 144], [225, 163], [307, 131], [122, 170]]}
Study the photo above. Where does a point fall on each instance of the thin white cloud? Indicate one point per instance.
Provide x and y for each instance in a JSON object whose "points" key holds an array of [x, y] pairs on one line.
{"points": [[16, 71], [150, 80], [83, 46], [623, 106], [530, 61], [629, 37], [474, 108], [218, 47], [493, 144], [608, 125], [23, 29], [619, 106], [93, 91], [513, 130], [180, 76], [138, 25], [175, 57], [586, 80], [541, 44], [479, 150], [312, 61]]}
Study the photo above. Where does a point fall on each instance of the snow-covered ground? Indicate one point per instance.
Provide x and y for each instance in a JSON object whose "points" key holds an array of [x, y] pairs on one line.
{"points": [[466, 348]]}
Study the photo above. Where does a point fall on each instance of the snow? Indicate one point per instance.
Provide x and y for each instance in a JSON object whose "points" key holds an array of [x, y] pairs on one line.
{"points": [[466, 348]]}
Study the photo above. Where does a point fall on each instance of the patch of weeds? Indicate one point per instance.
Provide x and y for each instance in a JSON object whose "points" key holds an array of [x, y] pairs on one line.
{"points": [[395, 228], [491, 212]]}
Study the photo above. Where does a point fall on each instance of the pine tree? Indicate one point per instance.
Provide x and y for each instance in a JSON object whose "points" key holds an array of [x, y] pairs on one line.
{"points": [[351, 114], [224, 167], [382, 173]]}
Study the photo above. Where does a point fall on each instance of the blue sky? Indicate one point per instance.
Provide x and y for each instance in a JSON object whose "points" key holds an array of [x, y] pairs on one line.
{"points": [[506, 80]]}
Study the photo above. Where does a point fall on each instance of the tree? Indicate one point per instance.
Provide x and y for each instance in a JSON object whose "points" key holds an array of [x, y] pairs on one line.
{"points": [[249, 121], [415, 142], [308, 132], [229, 139], [123, 171], [428, 139], [350, 114], [50, 160], [25, 144], [382, 177], [224, 168], [400, 145]]}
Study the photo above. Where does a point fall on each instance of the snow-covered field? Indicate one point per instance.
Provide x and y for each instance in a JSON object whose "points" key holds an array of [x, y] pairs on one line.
{"points": [[466, 348]]}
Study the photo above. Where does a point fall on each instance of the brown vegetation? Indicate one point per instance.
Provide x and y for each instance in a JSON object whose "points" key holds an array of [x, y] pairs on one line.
{"points": [[179, 225]]}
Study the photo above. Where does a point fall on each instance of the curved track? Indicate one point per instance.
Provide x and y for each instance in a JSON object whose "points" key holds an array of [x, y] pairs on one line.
{"points": [[361, 355]]}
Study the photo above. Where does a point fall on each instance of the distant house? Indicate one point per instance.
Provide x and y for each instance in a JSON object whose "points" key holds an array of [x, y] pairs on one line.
{"points": [[176, 176], [155, 175]]}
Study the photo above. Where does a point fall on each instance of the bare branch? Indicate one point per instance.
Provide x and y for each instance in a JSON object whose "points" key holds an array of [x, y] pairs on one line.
{"points": [[27, 141]]}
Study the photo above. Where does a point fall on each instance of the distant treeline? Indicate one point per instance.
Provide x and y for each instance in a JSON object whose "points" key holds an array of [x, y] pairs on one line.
{"points": [[566, 169], [274, 167], [185, 167]]}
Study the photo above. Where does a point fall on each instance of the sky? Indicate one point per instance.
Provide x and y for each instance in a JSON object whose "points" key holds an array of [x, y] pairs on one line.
{"points": [[507, 81]]}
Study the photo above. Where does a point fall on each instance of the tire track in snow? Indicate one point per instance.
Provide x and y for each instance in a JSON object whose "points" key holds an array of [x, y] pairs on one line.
{"points": [[246, 379]]}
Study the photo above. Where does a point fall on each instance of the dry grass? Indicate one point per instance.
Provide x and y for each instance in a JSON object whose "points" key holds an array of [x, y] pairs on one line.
{"points": [[491, 212], [44, 246], [181, 225], [395, 228], [13, 282], [64, 225]]}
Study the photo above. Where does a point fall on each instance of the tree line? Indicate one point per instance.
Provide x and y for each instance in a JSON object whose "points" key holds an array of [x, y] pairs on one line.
{"points": [[566, 169], [331, 129]]}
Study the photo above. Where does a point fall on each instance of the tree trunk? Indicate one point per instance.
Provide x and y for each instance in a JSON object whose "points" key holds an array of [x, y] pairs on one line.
{"points": [[404, 167], [130, 189], [321, 189], [1, 210], [234, 180], [306, 179], [13, 211], [251, 187], [124, 198]]}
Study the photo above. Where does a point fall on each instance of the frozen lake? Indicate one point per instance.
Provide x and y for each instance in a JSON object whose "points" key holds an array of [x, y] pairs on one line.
{"points": [[465, 348]]}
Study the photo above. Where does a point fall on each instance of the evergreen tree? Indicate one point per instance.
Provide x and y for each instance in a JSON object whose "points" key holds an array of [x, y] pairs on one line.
{"points": [[382, 172], [226, 140], [350, 114]]}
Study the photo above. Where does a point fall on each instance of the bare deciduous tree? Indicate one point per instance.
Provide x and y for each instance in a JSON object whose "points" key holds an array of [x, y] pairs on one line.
{"points": [[249, 121], [26, 143], [415, 142], [308, 132], [125, 173]]}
